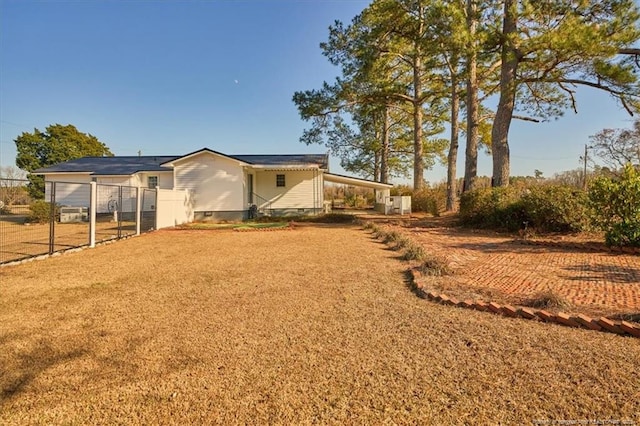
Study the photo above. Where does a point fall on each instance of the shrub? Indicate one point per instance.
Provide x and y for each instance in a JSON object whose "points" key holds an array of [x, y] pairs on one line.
{"points": [[555, 208], [414, 252], [547, 208], [367, 225], [435, 266], [391, 237], [615, 206], [40, 212], [379, 232], [401, 190], [426, 201], [401, 243], [547, 300], [429, 200], [491, 208]]}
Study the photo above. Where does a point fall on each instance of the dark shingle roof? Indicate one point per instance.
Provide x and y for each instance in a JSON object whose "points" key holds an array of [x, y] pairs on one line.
{"points": [[285, 159], [131, 165], [110, 165]]}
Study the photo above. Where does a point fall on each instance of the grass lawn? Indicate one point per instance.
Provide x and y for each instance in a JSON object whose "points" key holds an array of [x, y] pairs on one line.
{"points": [[18, 241], [316, 325]]}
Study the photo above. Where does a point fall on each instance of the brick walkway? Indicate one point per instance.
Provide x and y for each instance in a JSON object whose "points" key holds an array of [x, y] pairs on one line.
{"points": [[596, 281]]}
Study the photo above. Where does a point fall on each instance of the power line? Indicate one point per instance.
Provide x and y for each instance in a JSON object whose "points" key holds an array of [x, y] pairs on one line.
{"points": [[13, 124], [544, 159]]}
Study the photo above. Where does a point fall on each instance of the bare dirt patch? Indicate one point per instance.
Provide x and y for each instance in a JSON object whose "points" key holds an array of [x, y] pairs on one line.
{"points": [[315, 325]]}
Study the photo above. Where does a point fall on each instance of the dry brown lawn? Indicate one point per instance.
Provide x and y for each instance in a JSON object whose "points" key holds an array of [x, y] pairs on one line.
{"points": [[315, 325], [20, 241]]}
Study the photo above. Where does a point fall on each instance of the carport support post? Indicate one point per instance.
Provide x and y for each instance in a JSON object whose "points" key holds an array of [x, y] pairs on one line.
{"points": [[138, 209], [93, 207]]}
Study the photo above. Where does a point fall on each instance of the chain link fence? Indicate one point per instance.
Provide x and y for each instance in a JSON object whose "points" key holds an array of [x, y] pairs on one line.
{"points": [[62, 220]]}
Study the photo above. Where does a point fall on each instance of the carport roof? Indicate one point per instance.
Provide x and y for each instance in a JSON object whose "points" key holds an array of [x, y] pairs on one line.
{"points": [[348, 180]]}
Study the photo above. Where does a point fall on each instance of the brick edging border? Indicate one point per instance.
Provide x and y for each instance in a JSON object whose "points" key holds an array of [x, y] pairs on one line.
{"points": [[569, 320]]}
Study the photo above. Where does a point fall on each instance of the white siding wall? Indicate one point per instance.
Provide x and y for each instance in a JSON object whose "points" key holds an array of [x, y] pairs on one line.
{"points": [[298, 191], [118, 180], [217, 182], [84, 178], [73, 189], [165, 179]]}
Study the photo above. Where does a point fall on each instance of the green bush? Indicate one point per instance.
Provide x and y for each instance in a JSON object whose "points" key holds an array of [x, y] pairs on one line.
{"points": [[401, 190], [547, 208], [494, 208], [391, 237], [615, 203], [427, 200], [555, 208], [431, 199], [40, 212], [414, 252]]}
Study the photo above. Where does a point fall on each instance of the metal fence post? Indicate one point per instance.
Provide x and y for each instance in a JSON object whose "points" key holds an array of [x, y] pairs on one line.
{"points": [[138, 210], [93, 206], [52, 216], [119, 211], [155, 206]]}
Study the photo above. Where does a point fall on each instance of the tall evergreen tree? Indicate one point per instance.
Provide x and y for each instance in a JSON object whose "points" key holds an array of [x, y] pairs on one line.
{"points": [[549, 47], [382, 59]]}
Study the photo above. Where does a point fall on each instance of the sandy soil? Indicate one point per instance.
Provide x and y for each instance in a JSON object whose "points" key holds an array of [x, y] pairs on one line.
{"points": [[315, 325]]}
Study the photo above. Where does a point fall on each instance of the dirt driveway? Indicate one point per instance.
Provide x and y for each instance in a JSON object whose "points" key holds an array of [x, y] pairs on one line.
{"points": [[316, 325]]}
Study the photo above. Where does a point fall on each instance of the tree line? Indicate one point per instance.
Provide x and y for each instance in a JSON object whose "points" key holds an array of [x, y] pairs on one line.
{"points": [[411, 70]]}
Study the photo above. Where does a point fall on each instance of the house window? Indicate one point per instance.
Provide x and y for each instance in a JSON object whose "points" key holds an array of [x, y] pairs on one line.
{"points": [[280, 180], [152, 181]]}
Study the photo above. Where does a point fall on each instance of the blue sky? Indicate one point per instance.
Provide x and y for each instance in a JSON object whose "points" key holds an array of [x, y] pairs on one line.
{"points": [[171, 77]]}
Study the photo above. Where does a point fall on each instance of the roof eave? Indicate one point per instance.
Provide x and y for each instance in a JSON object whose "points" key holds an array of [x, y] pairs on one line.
{"points": [[39, 172], [286, 167], [202, 151]]}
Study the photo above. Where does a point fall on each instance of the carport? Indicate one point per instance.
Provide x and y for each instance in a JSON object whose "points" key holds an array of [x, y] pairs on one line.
{"points": [[382, 190]]}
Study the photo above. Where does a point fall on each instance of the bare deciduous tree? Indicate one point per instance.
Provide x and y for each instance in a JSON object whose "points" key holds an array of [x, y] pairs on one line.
{"points": [[617, 147]]}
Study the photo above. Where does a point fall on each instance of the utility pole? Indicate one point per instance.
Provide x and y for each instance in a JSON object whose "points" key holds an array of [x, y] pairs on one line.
{"points": [[584, 175]]}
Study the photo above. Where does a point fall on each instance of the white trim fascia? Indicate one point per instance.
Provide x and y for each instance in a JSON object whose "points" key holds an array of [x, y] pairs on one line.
{"points": [[348, 180], [298, 167], [61, 173], [203, 151]]}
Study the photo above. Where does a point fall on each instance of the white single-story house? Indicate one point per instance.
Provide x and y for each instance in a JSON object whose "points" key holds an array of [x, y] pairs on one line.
{"points": [[221, 186]]}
